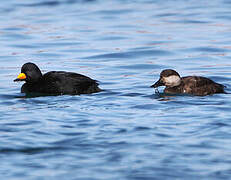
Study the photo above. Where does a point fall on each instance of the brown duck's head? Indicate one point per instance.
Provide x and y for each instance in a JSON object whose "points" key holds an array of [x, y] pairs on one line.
{"points": [[168, 78], [29, 73]]}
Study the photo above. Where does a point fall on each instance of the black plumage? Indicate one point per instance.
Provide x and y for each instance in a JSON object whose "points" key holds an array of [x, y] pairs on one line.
{"points": [[55, 82]]}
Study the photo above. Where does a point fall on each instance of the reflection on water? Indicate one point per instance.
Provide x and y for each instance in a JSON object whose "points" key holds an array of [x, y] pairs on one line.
{"points": [[128, 131]]}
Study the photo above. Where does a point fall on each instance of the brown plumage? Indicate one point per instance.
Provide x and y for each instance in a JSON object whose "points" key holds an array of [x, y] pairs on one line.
{"points": [[195, 85]]}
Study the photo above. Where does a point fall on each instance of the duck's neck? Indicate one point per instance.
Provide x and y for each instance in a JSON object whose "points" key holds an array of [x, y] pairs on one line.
{"points": [[174, 90]]}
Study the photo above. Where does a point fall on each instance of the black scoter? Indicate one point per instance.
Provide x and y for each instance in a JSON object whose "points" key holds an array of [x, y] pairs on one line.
{"points": [[195, 85], [55, 82]]}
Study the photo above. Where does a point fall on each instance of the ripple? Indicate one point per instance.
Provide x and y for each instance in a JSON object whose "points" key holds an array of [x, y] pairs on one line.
{"points": [[132, 54], [206, 49], [54, 3], [28, 150]]}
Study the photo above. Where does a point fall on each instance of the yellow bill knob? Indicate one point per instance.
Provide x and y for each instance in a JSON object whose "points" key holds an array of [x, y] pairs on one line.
{"points": [[21, 76]]}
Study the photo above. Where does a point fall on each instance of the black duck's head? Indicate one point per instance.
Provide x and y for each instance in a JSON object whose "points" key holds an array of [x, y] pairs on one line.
{"points": [[168, 78], [29, 73]]}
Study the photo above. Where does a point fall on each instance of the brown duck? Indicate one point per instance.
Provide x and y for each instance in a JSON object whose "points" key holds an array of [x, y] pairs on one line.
{"points": [[195, 85]]}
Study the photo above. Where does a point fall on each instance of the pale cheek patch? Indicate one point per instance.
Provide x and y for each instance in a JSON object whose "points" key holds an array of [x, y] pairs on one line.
{"points": [[172, 80]]}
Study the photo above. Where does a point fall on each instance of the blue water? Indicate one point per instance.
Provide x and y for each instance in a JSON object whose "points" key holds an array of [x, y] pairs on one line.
{"points": [[126, 132]]}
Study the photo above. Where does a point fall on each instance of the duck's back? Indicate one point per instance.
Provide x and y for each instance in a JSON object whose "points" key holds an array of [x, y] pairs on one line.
{"points": [[201, 86], [61, 82]]}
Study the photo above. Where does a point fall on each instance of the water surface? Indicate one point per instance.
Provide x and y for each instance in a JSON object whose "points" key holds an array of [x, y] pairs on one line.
{"points": [[126, 131]]}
